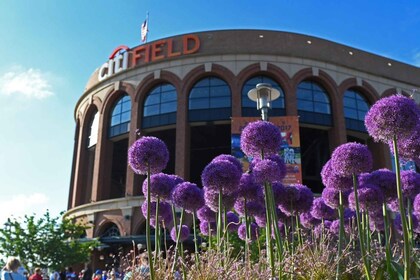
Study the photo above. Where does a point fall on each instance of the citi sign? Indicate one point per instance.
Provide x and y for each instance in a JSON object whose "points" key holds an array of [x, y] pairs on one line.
{"points": [[122, 57]]}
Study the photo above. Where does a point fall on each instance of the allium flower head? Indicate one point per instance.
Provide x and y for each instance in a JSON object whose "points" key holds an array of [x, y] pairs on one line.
{"points": [[282, 169], [232, 221], [164, 212], [289, 200], [161, 186], [351, 158], [252, 207], [415, 219], [221, 175], [184, 234], [188, 196], [298, 199], [207, 227], [376, 221], [320, 210], [206, 214], [410, 183], [242, 231], [389, 116], [322, 228], [278, 192], [370, 198], [409, 146], [308, 221], [248, 189], [332, 180], [147, 152], [383, 178], [331, 197], [416, 204], [267, 170], [211, 198], [258, 137], [229, 158]]}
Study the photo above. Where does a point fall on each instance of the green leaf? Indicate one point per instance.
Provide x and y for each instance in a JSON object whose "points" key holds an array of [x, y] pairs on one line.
{"points": [[399, 270]]}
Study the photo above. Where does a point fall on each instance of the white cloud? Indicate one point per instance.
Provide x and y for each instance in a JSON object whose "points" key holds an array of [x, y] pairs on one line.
{"points": [[31, 83], [17, 206]]}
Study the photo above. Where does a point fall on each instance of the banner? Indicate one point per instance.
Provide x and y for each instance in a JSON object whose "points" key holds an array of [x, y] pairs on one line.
{"points": [[289, 149]]}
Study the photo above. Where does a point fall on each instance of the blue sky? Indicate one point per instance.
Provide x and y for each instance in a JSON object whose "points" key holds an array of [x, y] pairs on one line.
{"points": [[50, 48]]}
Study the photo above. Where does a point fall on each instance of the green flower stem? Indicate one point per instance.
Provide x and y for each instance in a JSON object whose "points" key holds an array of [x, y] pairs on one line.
{"points": [[368, 237], [177, 245], [157, 231], [247, 234], [278, 239], [359, 230], [341, 235], [402, 212], [388, 254], [219, 222], [268, 225], [148, 241], [410, 222], [197, 259]]}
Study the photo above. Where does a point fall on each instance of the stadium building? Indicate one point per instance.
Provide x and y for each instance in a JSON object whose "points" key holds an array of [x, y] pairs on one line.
{"points": [[186, 89]]}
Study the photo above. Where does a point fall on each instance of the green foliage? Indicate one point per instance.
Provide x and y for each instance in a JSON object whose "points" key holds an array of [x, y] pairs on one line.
{"points": [[46, 242]]}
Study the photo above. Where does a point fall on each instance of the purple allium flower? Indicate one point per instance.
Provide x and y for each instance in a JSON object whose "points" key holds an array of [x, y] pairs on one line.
{"points": [[221, 175], [308, 221], [376, 221], [230, 158], [212, 199], [416, 204], [410, 183], [282, 169], [306, 198], [242, 231], [281, 227], [335, 227], [252, 207], [389, 116], [232, 221], [370, 198], [383, 178], [188, 196], [261, 220], [331, 180], [260, 137], [206, 214], [331, 197], [320, 210], [416, 223], [351, 158], [206, 227], [394, 205], [267, 170], [249, 189], [165, 212], [185, 233], [161, 186], [415, 219], [409, 146], [322, 228], [289, 200], [147, 152]]}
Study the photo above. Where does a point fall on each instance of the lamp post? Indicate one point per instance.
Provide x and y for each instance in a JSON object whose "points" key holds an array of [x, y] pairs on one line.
{"points": [[263, 94]]}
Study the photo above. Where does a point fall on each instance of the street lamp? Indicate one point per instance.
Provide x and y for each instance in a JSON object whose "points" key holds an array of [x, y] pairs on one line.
{"points": [[263, 94]]}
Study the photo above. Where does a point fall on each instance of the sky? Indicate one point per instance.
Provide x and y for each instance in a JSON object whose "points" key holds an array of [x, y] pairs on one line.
{"points": [[50, 48]]}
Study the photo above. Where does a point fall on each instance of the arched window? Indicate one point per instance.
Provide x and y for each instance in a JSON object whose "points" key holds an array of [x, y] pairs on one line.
{"points": [[249, 107], [313, 104], [120, 117], [93, 131], [160, 106], [355, 109], [209, 100]]}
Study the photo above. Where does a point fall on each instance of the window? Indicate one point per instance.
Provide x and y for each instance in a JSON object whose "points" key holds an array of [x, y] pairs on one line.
{"points": [[120, 117], [249, 107], [93, 131], [313, 104], [355, 109], [160, 106], [210, 99]]}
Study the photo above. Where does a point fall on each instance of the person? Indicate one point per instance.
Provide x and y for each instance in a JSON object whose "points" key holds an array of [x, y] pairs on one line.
{"points": [[37, 274], [144, 266], [70, 275], [9, 272], [55, 275], [98, 275]]}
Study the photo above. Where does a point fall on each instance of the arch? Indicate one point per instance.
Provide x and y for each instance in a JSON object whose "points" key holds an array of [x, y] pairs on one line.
{"points": [[392, 91], [366, 89], [106, 223]]}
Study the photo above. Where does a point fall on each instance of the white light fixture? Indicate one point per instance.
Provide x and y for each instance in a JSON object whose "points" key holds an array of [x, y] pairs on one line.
{"points": [[309, 42], [350, 53], [263, 94], [389, 64], [261, 36]]}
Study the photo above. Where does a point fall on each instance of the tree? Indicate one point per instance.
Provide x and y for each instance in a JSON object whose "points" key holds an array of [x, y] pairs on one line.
{"points": [[45, 242]]}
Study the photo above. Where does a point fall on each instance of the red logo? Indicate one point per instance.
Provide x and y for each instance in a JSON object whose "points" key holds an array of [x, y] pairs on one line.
{"points": [[117, 50]]}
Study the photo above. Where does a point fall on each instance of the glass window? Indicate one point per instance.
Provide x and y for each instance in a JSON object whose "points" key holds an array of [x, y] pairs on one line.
{"points": [[120, 117], [93, 131], [208, 95], [162, 96], [312, 97], [355, 105], [247, 103]]}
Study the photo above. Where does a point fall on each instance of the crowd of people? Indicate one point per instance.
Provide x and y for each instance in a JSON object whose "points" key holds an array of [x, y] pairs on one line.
{"points": [[13, 271]]}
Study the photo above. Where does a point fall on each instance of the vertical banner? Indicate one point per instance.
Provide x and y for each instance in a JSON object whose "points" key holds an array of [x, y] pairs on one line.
{"points": [[289, 149]]}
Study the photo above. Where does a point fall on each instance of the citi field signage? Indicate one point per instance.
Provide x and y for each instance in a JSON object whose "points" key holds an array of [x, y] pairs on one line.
{"points": [[123, 58]]}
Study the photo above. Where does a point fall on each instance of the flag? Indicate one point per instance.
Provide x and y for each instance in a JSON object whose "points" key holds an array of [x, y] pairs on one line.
{"points": [[144, 31]]}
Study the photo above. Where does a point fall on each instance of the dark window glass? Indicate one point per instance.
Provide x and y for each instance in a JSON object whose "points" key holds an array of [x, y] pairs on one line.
{"points": [[120, 117], [355, 109], [313, 104], [210, 99], [160, 106], [249, 107]]}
